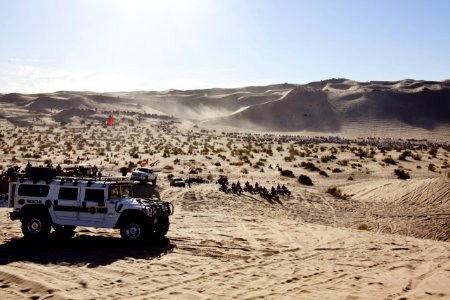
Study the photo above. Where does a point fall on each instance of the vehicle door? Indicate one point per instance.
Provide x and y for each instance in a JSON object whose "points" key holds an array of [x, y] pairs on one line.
{"points": [[11, 194], [66, 204], [93, 204]]}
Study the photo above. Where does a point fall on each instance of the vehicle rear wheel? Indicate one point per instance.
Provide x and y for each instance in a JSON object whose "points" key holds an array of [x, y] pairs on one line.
{"points": [[154, 182], [133, 230], [36, 227]]}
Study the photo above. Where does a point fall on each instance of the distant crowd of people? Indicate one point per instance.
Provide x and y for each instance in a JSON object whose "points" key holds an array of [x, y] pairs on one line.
{"points": [[236, 188]]}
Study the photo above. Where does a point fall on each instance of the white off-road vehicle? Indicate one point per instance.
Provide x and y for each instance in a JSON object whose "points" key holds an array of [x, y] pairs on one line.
{"points": [[144, 175], [65, 203]]}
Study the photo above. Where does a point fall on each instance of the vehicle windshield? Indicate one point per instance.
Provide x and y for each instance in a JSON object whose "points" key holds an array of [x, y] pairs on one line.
{"points": [[117, 192], [144, 170]]}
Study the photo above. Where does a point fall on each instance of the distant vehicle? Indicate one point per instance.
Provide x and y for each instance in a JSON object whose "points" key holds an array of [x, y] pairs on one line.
{"points": [[77, 170], [144, 175], [197, 179], [64, 204], [177, 181]]}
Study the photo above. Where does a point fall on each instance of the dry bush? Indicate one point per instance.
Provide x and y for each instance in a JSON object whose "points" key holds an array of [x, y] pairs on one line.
{"points": [[401, 174], [363, 227], [389, 160], [305, 180], [336, 192], [287, 173]]}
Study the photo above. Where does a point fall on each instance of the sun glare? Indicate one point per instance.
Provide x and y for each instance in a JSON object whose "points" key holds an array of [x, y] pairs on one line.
{"points": [[138, 10]]}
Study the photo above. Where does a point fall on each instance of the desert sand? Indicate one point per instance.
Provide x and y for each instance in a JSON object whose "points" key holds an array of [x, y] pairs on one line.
{"points": [[359, 232]]}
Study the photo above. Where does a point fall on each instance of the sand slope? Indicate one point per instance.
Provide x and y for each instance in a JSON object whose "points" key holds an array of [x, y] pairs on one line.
{"points": [[220, 248]]}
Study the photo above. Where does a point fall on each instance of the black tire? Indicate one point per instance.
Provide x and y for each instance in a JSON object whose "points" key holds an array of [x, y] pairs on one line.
{"points": [[36, 226], [154, 182], [134, 230], [160, 229], [64, 231]]}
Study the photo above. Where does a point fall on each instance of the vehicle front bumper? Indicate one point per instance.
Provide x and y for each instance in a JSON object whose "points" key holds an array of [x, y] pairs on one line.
{"points": [[138, 177]]}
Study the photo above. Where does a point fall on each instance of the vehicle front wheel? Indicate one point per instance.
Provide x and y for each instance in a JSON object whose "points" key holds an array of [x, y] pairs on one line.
{"points": [[160, 228], [36, 227], [133, 230]]}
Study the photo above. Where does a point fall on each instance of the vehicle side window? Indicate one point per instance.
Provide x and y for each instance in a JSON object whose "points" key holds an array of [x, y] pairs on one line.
{"points": [[68, 193], [126, 191], [95, 195], [33, 190], [114, 192]]}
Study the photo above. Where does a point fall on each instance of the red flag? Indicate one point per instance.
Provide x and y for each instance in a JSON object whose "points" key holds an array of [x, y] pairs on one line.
{"points": [[110, 120]]}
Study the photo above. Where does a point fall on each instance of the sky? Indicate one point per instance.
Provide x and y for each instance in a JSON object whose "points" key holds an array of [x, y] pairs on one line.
{"points": [[114, 45]]}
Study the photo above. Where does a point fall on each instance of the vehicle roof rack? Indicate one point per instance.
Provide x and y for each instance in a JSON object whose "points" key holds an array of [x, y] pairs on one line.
{"points": [[93, 179]]}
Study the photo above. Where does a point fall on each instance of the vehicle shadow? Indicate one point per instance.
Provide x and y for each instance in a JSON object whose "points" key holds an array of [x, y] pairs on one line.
{"points": [[82, 250], [146, 191]]}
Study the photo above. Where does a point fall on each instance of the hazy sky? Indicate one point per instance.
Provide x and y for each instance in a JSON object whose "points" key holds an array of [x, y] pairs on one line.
{"points": [[155, 45]]}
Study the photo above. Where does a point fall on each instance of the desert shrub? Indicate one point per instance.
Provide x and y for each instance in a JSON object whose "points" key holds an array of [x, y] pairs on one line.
{"points": [[343, 162], [363, 227], [309, 166], [124, 170], [323, 173], [401, 174], [416, 156], [390, 160], [237, 163], [287, 173], [336, 192], [337, 170], [168, 167], [325, 158], [432, 167], [305, 180], [244, 171], [433, 152], [176, 161], [210, 177], [406, 153], [131, 165], [259, 164], [217, 164], [169, 176], [350, 178]]}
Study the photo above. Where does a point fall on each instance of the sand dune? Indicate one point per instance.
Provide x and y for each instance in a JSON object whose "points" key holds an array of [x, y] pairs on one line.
{"points": [[301, 108], [333, 106]]}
